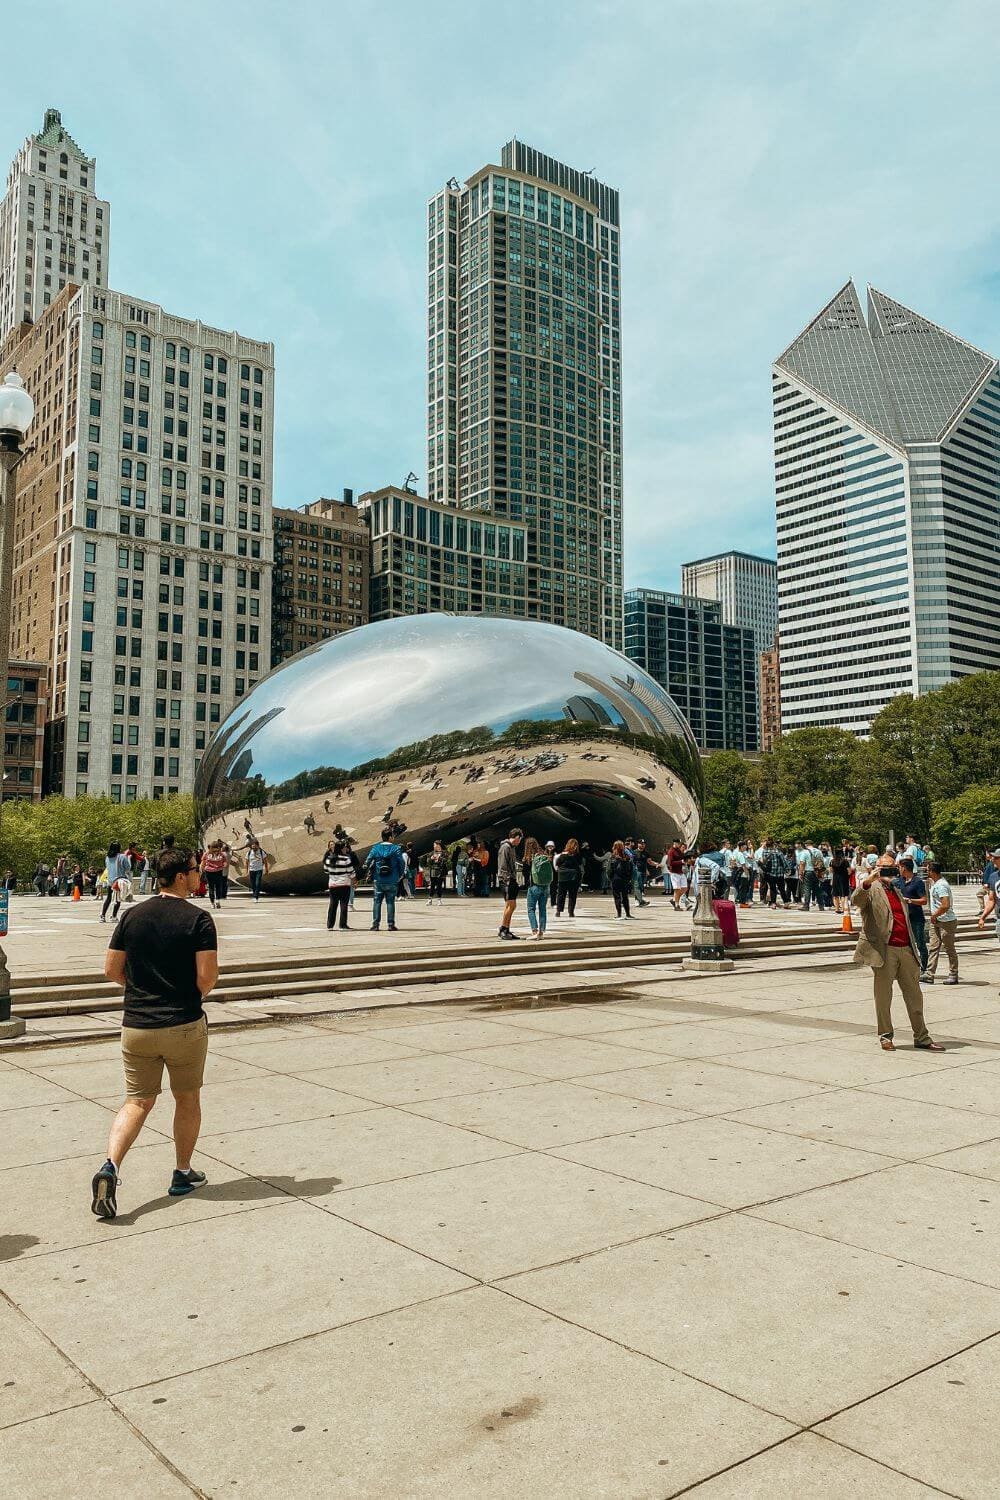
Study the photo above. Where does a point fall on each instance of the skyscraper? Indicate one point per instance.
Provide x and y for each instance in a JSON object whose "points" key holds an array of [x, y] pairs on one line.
{"points": [[745, 585], [53, 227], [708, 668], [887, 487], [524, 374], [142, 536], [142, 514]]}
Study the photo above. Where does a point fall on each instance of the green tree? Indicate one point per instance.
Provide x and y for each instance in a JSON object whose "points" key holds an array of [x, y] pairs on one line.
{"points": [[82, 828], [951, 736], [814, 817], [964, 827], [727, 783], [814, 760], [887, 795]]}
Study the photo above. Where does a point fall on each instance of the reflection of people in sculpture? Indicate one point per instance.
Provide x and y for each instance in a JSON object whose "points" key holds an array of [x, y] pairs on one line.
{"points": [[310, 823]]}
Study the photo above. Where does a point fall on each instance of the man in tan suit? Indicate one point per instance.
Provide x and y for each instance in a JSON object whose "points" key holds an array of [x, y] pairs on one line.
{"points": [[889, 948]]}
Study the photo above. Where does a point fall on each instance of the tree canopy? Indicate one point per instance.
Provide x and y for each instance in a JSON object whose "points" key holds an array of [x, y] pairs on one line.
{"points": [[930, 767], [82, 827]]}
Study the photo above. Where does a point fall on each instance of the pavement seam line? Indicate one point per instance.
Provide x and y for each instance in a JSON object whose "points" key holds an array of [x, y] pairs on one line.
{"points": [[100, 1395]]}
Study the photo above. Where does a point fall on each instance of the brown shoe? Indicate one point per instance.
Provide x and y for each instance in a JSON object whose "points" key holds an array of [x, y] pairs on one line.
{"points": [[887, 1044], [929, 1046]]}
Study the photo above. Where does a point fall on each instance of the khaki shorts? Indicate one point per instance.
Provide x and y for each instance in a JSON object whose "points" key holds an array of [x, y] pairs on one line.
{"points": [[146, 1049]]}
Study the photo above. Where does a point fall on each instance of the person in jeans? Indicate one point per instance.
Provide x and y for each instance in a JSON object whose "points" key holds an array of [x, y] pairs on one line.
{"points": [[538, 872], [213, 864], [567, 865], [914, 892], [164, 954], [340, 866], [258, 864], [621, 880], [507, 880], [888, 947], [944, 925], [386, 865]]}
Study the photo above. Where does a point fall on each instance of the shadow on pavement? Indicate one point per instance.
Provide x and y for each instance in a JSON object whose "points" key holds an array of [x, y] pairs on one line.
{"points": [[13, 1245], [239, 1190]]}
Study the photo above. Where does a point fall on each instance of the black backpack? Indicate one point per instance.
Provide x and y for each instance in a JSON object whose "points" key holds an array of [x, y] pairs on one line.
{"points": [[383, 867]]}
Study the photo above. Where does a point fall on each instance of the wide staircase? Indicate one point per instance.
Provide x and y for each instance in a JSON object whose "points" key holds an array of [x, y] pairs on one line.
{"points": [[553, 964]]}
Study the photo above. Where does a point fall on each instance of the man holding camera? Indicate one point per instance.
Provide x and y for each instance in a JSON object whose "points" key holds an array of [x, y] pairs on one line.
{"points": [[888, 946]]}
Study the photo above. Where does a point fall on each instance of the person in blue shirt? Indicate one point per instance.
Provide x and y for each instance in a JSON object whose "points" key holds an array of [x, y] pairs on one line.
{"points": [[991, 891], [914, 893], [386, 864]]}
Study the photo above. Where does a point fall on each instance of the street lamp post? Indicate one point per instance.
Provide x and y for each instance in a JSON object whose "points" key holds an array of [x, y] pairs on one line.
{"points": [[16, 412]]}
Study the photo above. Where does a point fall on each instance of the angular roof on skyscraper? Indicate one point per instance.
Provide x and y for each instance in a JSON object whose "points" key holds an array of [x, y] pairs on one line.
{"points": [[54, 133], [899, 375]]}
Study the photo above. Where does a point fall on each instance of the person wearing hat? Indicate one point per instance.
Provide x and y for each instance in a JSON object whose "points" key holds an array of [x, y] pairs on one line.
{"points": [[991, 881]]}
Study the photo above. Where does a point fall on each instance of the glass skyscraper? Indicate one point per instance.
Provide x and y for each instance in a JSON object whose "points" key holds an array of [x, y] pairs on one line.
{"points": [[524, 374], [710, 669], [887, 488]]}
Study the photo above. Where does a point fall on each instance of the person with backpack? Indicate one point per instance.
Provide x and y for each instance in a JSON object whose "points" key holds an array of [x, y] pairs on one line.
{"points": [[340, 866], [118, 869], [385, 863], [538, 863], [621, 880], [567, 867]]}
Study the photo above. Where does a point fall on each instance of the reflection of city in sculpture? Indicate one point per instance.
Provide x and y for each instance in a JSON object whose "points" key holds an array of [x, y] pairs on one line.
{"points": [[445, 726]]}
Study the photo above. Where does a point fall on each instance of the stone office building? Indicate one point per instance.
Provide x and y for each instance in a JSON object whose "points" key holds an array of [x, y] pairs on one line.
{"points": [[142, 536], [320, 578]]}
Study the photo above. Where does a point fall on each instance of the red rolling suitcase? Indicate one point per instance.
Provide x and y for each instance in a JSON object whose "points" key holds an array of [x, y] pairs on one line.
{"points": [[726, 913]]}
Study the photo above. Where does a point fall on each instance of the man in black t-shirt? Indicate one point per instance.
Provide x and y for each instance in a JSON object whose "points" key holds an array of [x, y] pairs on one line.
{"points": [[164, 953]]}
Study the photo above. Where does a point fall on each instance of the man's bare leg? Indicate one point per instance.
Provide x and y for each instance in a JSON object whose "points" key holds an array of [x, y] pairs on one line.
{"points": [[127, 1124]]}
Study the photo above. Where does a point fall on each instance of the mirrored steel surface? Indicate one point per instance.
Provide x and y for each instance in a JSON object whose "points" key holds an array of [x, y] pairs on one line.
{"points": [[449, 725]]}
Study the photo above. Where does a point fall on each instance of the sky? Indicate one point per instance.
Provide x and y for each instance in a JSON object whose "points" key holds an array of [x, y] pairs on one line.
{"points": [[268, 167]]}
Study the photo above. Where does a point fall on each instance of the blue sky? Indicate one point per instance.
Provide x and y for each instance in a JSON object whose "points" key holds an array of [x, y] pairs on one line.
{"points": [[269, 164]]}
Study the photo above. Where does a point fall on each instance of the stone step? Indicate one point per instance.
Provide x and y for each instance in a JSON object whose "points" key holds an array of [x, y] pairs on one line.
{"points": [[535, 962]]}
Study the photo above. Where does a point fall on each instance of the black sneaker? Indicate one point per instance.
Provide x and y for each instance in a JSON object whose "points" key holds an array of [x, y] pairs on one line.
{"points": [[104, 1188], [374, 927], [185, 1182], [393, 927]]}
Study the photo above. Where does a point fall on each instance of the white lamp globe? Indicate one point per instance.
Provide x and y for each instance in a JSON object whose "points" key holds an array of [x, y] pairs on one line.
{"points": [[16, 406]]}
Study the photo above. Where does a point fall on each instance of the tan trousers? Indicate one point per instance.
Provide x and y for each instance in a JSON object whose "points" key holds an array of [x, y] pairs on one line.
{"points": [[942, 936], [900, 968]]}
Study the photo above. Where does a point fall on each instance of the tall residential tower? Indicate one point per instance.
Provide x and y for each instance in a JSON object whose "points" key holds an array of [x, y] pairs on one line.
{"points": [[524, 374], [887, 484], [53, 227]]}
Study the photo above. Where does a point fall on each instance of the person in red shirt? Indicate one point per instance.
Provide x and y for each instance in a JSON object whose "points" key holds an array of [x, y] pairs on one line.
{"points": [[888, 946]]}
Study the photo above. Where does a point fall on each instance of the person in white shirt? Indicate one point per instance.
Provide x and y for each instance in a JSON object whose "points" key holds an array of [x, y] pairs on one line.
{"points": [[944, 924]]}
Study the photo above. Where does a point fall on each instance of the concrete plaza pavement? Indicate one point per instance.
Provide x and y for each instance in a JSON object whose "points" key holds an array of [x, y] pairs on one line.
{"points": [[699, 1237]]}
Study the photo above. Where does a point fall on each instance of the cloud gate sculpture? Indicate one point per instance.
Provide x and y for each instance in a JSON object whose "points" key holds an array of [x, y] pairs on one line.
{"points": [[448, 726]]}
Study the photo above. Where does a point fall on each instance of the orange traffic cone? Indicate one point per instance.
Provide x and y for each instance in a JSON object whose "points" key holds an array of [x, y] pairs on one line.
{"points": [[76, 893], [846, 925]]}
